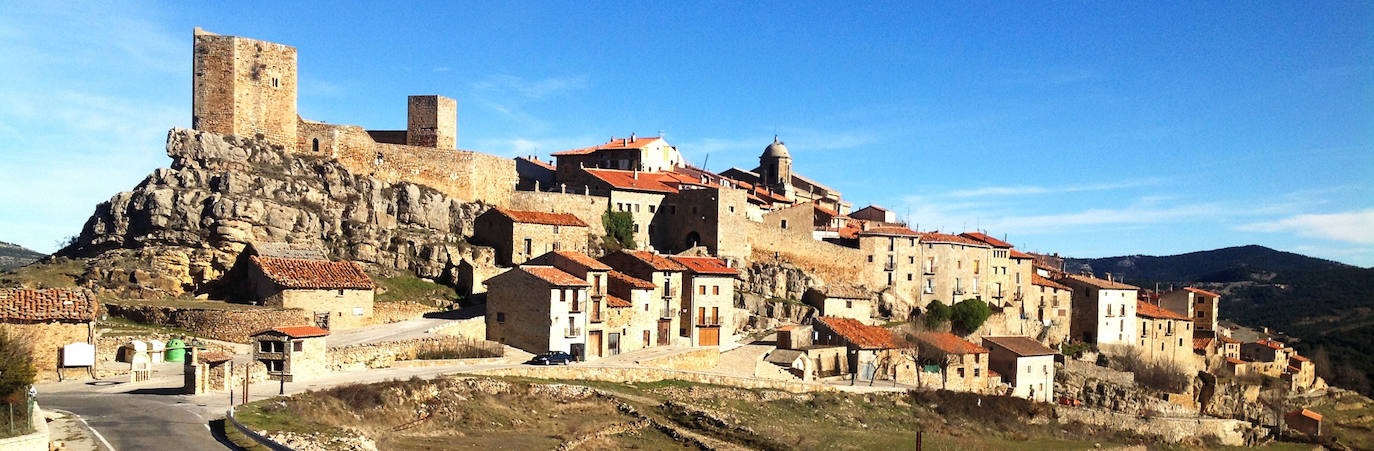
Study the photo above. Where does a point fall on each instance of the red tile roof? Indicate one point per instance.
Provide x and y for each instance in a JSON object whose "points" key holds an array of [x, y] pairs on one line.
{"points": [[615, 302], [1273, 344], [1201, 291], [1101, 283], [888, 230], [1037, 280], [1018, 254], [1294, 369], [1226, 339], [859, 334], [1201, 343], [613, 144], [950, 343], [631, 281], [1299, 358], [662, 182], [555, 276], [314, 274], [583, 259], [936, 237], [705, 265], [540, 217], [1149, 310], [47, 305], [1234, 361], [1305, 413], [535, 161], [826, 211], [296, 331], [658, 262], [983, 237]]}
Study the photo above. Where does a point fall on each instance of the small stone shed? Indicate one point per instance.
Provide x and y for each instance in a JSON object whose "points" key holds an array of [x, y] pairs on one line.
{"points": [[49, 319], [292, 353], [1304, 421], [336, 294], [843, 301]]}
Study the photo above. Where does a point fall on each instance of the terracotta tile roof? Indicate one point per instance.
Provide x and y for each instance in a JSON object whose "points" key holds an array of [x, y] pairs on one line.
{"points": [[994, 374], [1201, 343], [983, 237], [47, 305], [705, 265], [615, 302], [1234, 361], [1101, 283], [1299, 358], [1018, 254], [296, 331], [950, 343], [214, 357], [1272, 344], [888, 230], [537, 162], [936, 237], [1037, 280], [1294, 369], [631, 281], [657, 261], [1148, 310], [1021, 346], [662, 182], [787, 328], [586, 261], [1201, 291], [859, 334], [539, 217], [314, 274], [1226, 339], [826, 211], [1305, 413], [554, 276], [613, 144]]}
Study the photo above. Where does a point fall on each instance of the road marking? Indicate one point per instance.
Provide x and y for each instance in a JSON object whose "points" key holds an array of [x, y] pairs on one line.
{"points": [[94, 432]]}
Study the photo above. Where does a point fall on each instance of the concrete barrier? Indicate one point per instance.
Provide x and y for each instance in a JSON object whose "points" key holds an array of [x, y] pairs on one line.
{"points": [[33, 441], [248, 432]]}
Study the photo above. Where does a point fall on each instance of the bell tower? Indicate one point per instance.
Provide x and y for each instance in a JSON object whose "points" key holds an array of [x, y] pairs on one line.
{"points": [[775, 168]]}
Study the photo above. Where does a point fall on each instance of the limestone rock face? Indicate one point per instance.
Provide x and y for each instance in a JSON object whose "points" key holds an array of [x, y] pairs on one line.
{"points": [[183, 227]]}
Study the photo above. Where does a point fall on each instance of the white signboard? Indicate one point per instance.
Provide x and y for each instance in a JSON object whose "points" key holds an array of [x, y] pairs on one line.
{"points": [[78, 354]]}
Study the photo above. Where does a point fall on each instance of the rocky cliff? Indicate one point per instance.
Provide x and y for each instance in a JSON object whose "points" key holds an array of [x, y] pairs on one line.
{"points": [[183, 227]]}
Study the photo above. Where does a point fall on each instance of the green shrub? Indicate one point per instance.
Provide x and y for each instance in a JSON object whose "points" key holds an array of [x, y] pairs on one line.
{"points": [[968, 314], [620, 230], [936, 314]]}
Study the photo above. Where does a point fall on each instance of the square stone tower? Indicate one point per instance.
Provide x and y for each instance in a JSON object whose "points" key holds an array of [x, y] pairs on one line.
{"points": [[244, 87], [432, 121]]}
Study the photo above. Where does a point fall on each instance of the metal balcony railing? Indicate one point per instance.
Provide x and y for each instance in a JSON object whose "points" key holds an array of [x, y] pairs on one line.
{"points": [[889, 266]]}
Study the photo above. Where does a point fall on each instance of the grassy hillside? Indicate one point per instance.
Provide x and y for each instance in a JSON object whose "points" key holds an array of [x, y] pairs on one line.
{"points": [[1327, 306], [13, 256]]}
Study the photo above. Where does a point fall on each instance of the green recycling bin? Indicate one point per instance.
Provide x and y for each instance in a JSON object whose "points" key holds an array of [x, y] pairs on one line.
{"points": [[176, 351]]}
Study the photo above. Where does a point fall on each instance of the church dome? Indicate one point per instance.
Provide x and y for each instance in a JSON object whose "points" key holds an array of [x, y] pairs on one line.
{"points": [[776, 150]]}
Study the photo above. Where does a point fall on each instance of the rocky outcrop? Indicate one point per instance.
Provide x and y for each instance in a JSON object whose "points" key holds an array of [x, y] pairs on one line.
{"points": [[770, 279], [182, 228]]}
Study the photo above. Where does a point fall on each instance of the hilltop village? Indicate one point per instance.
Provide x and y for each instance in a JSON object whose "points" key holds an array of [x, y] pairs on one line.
{"points": [[623, 256]]}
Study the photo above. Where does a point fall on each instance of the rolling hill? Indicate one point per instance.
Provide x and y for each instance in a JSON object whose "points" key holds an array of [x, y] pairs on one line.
{"points": [[1328, 307], [13, 256]]}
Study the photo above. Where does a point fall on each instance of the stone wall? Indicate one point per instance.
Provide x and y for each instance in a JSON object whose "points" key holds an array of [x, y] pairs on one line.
{"points": [[696, 359], [586, 208], [385, 354], [46, 341], [640, 375], [244, 87], [397, 311], [1173, 430], [823, 260], [227, 325]]}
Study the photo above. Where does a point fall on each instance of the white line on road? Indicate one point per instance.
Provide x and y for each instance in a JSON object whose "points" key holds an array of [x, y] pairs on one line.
{"points": [[93, 431]]}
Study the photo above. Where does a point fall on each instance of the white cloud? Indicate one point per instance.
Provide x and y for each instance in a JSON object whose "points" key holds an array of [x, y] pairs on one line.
{"points": [[540, 147], [1351, 226], [1023, 190], [508, 86]]}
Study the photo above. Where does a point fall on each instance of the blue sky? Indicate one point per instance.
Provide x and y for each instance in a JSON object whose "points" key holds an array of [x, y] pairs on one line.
{"points": [[1089, 129]]}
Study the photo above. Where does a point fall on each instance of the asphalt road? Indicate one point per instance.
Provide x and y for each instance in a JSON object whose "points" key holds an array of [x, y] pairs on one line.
{"points": [[146, 417]]}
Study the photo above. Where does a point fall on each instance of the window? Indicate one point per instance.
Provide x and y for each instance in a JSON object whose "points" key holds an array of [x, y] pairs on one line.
{"points": [[701, 315], [557, 245], [298, 346], [562, 296], [784, 223], [701, 289], [732, 208], [275, 82], [315, 145], [529, 246], [651, 209], [930, 286], [960, 372], [908, 277], [715, 289], [500, 317], [976, 372], [911, 260], [636, 208], [870, 259], [555, 229], [273, 365], [636, 228], [340, 293], [848, 303]]}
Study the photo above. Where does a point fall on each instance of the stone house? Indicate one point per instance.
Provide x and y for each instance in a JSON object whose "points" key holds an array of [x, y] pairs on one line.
{"points": [[641, 329], [711, 216], [1229, 347], [1300, 374], [710, 292], [841, 301], [1165, 336], [953, 268], [1268, 357], [292, 353], [647, 154], [874, 213], [47, 320], [959, 364], [519, 235], [1050, 303], [998, 282], [1103, 311], [337, 294], [1200, 305], [602, 338], [667, 277], [1025, 364], [798, 354], [206, 371], [534, 174], [1304, 421], [892, 259], [538, 309], [873, 352], [1022, 268]]}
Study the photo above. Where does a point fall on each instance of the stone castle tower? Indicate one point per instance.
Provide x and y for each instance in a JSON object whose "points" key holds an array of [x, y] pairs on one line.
{"points": [[432, 121], [244, 87], [775, 168]]}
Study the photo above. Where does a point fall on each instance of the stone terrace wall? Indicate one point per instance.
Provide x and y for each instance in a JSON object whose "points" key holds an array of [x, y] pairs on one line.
{"points": [[696, 359], [1173, 430], [227, 325], [385, 354], [586, 208], [830, 262], [397, 311], [637, 375]]}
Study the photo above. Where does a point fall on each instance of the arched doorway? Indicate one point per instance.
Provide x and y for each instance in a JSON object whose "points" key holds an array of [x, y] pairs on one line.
{"points": [[315, 145], [693, 240]]}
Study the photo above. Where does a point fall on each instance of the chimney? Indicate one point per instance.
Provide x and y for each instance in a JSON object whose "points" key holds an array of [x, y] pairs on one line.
{"points": [[624, 142], [632, 136], [636, 174], [1109, 277]]}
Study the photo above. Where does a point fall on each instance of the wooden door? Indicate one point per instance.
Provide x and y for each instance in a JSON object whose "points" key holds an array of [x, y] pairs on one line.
{"points": [[665, 328], [594, 343], [708, 336]]}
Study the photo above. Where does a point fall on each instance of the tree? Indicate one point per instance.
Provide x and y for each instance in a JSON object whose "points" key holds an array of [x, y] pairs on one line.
{"points": [[936, 314], [620, 230], [968, 314], [16, 366]]}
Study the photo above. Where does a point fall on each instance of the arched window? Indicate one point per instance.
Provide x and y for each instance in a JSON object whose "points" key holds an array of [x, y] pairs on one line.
{"points": [[315, 145]]}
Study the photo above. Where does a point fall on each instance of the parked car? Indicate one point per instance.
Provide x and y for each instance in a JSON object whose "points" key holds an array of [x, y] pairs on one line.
{"points": [[553, 358]]}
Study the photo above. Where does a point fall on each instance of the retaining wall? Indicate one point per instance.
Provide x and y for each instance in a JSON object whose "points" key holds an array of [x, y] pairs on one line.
{"points": [[613, 374], [219, 324]]}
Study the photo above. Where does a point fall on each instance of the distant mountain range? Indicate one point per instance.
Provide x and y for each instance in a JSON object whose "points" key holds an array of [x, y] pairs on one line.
{"points": [[13, 256], [1327, 306]]}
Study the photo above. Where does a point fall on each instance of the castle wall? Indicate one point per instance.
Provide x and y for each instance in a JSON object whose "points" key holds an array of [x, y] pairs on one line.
{"points": [[830, 262], [432, 121], [244, 87], [587, 208]]}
